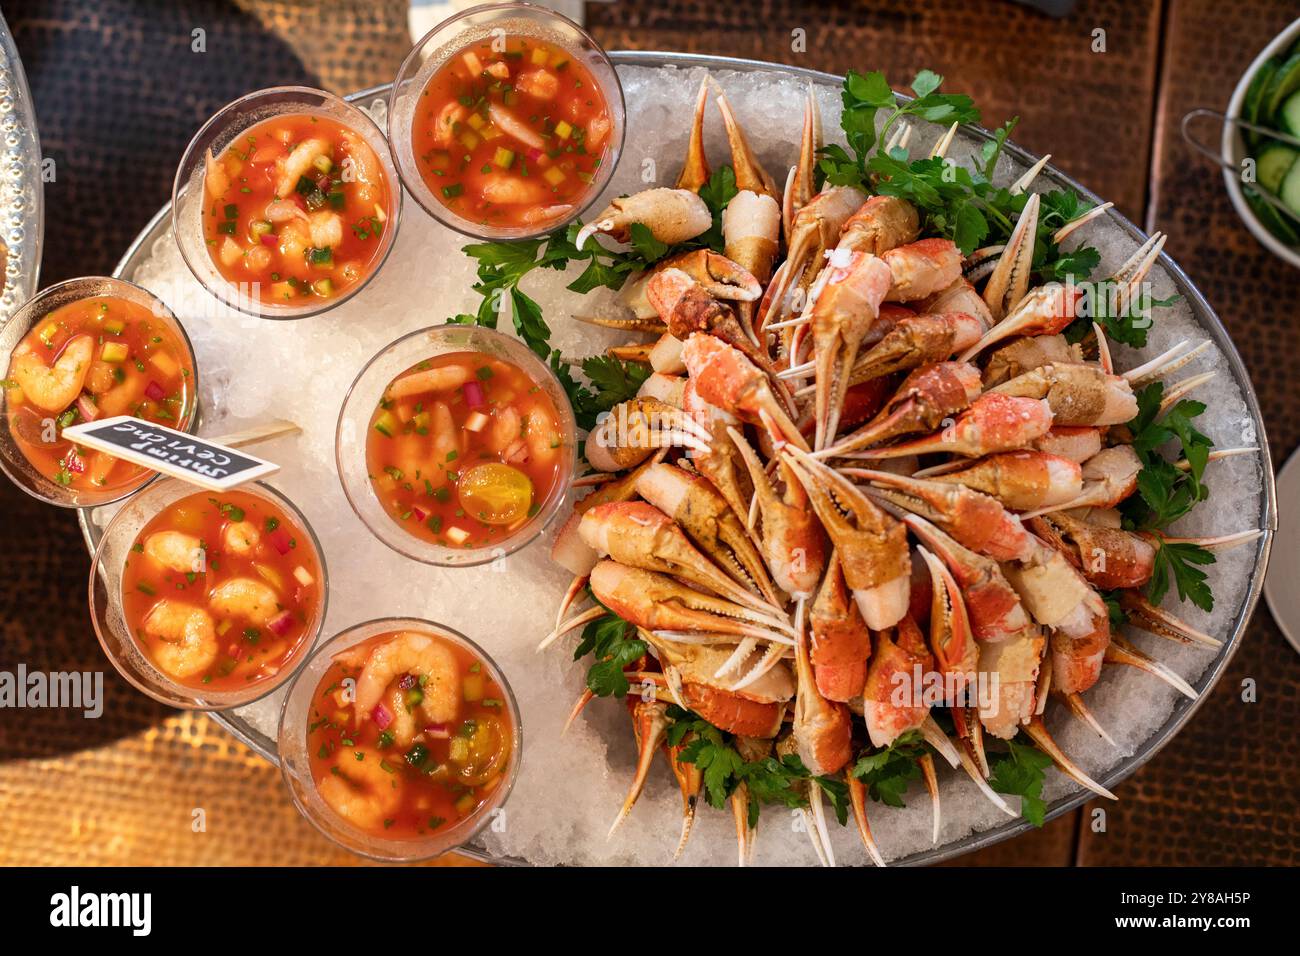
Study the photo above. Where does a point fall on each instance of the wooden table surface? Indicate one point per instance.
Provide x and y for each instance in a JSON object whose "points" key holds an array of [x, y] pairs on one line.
{"points": [[118, 93]]}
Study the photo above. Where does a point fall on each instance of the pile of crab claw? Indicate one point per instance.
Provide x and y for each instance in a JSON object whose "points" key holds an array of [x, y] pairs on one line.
{"points": [[854, 468]]}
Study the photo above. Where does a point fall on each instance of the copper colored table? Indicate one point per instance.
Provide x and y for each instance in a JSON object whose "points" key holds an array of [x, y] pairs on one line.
{"points": [[119, 90]]}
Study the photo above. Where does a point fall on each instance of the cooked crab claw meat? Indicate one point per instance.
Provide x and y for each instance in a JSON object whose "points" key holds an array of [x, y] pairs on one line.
{"points": [[973, 518], [656, 602], [756, 710], [1156, 620], [650, 727], [1039, 734], [1015, 662], [1019, 479], [750, 173], [1121, 651], [841, 643], [872, 546], [1075, 443], [847, 302], [716, 274], [1081, 711], [697, 507], [1045, 310], [1109, 477], [858, 802], [1109, 558], [726, 378], [951, 639], [882, 223], [695, 171], [722, 463], [751, 235], [669, 389], [926, 397], [815, 230], [991, 604], [635, 429], [1077, 394], [1009, 282], [893, 662], [922, 268], [687, 308], [570, 551], [1027, 353], [915, 341], [958, 296], [993, 423], [822, 728], [640, 535], [792, 541], [801, 183], [671, 215]]}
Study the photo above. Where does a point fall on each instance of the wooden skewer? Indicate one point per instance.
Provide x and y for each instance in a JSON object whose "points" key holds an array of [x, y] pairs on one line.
{"points": [[258, 433]]}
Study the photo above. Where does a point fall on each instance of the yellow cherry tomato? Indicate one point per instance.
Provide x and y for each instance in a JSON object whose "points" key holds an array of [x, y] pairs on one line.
{"points": [[495, 493]]}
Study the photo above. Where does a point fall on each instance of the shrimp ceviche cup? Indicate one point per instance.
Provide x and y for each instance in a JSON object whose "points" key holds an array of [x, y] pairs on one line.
{"points": [[506, 121], [399, 739], [455, 445], [205, 599], [286, 202], [78, 351]]}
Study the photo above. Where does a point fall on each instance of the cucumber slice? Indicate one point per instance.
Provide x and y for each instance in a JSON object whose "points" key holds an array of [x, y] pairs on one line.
{"points": [[1273, 221], [1284, 83], [1289, 192], [1273, 163], [1290, 116], [1250, 104]]}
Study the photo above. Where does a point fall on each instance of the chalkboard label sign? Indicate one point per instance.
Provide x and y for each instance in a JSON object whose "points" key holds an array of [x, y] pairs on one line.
{"points": [[173, 453]]}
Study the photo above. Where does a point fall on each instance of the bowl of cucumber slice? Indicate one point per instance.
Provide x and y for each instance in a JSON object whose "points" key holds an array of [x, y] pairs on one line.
{"points": [[1268, 96]]}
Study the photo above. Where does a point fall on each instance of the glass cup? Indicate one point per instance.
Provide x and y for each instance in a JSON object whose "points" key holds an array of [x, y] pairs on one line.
{"points": [[451, 36], [229, 123], [295, 763], [114, 634], [35, 310], [354, 426]]}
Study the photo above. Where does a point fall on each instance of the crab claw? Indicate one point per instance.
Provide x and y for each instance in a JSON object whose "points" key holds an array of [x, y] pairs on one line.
{"points": [[750, 173], [1046, 310], [695, 173], [725, 377], [801, 184], [689, 780], [583, 700], [1010, 280], [973, 771], [1121, 651], [1039, 734], [858, 801], [993, 423], [926, 763], [1080, 710], [650, 726], [576, 587], [872, 546], [671, 215], [951, 640]]}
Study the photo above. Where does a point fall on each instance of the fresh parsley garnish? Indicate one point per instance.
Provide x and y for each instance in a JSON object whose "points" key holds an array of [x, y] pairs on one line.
{"points": [[1019, 772], [613, 643], [887, 773]]}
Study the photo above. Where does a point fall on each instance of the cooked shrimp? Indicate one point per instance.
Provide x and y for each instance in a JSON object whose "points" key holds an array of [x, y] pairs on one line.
{"points": [[423, 658], [507, 428], [241, 538], [243, 597], [187, 641], [539, 83], [298, 163], [294, 239], [282, 210], [510, 190], [326, 229], [215, 179], [403, 726], [176, 551], [360, 790], [55, 387], [444, 128], [365, 170], [446, 438], [438, 379]]}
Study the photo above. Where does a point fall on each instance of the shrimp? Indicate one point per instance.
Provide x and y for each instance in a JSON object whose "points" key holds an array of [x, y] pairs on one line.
{"points": [[326, 229], [512, 190], [360, 790], [441, 379], [54, 387], [215, 179], [187, 640], [175, 550], [243, 597], [423, 658], [362, 166], [242, 538], [298, 163], [538, 83], [444, 129]]}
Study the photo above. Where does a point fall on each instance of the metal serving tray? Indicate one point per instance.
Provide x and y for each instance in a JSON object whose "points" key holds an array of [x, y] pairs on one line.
{"points": [[1183, 709]]}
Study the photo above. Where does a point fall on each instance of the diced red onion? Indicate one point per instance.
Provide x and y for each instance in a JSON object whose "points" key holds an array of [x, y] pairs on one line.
{"points": [[154, 391], [279, 539], [87, 408], [407, 681], [73, 463], [270, 239], [419, 515], [381, 716], [438, 731], [473, 394], [281, 624]]}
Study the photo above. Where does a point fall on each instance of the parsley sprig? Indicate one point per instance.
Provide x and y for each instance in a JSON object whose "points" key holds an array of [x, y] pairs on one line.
{"points": [[1167, 492], [613, 643], [1020, 772], [889, 772]]}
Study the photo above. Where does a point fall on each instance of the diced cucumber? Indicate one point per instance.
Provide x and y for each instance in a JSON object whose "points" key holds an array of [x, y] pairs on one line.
{"points": [[1284, 83], [1289, 192], [1289, 119], [1274, 221], [1272, 165], [1250, 105]]}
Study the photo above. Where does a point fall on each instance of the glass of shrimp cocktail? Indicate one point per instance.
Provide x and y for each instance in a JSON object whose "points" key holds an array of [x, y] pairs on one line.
{"points": [[207, 600], [286, 202], [506, 121], [78, 351], [456, 445], [399, 739]]}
